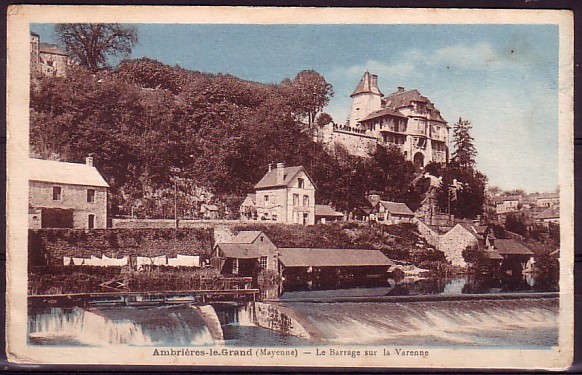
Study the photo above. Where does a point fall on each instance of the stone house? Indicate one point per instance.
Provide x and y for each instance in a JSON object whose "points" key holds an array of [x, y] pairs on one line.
{"points": [[285, 195], [246, 254], [47, 59], [405, 119], [461, 236], [66, 195], [387, 212]]}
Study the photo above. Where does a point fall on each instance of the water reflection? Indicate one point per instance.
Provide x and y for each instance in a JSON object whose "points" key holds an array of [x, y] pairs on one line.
{"points": [[428, 286]]}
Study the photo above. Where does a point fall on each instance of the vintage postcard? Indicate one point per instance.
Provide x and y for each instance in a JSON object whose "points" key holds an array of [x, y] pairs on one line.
{"points": [[211, 186]]}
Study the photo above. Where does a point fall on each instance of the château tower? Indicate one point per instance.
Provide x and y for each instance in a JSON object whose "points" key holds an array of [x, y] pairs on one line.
{"points": [[367, 98], [405, 119]]}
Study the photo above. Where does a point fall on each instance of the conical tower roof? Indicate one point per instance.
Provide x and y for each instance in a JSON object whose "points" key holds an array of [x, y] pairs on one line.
{"points": [[368, 85]]}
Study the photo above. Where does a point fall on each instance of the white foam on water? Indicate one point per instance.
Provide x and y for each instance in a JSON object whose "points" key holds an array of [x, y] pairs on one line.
{"points": [[462, 322], [87, 328]]}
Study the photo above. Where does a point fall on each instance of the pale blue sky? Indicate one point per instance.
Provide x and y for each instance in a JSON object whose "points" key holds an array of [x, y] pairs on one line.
{"points": [[503, 78]]}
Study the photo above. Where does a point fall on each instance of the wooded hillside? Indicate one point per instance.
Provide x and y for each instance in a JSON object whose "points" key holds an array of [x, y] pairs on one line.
{"points": [[154, 129]]}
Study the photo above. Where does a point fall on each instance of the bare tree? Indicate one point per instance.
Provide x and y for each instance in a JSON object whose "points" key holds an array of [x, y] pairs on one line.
{"points": [[90, 44]]}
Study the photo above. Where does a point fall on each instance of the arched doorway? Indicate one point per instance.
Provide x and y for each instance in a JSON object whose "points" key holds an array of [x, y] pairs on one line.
{"points": [[418, 160]]}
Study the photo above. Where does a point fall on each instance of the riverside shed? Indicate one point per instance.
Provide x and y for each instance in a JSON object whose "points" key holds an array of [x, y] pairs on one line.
{"points": [[304, 265]]}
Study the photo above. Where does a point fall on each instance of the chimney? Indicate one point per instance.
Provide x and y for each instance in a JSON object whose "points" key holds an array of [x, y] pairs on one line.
{"points": [[374, 81], [270, 168], [89, 161], [400, 89], [280, 172], [374, 199]]}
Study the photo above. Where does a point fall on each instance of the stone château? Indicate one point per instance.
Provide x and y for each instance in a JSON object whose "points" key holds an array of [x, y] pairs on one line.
{"points": [[404, 118]]}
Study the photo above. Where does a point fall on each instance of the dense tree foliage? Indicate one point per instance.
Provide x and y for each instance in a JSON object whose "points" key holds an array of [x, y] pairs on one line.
{"points": [[159, 133], [90, 44]]}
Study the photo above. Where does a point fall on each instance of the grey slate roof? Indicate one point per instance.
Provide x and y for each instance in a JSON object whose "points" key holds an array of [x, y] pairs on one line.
{"points": [[50, 48], [549, 213], [269, 180], [239, 250], [397, 208], [401, 99], [367, 86], [381, 113], [59, 172], [310, 257], [511, 246], [245, 236], [326, 210]]}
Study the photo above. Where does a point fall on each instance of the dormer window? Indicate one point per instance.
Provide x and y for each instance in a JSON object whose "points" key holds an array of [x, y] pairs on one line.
{"points": [[301, 183]]}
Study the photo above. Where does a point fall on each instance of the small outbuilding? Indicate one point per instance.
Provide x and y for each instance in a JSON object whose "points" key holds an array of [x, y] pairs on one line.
{"points": [[246, 254], [300, 266], [387, 212], [324, 213], [515, 255]]}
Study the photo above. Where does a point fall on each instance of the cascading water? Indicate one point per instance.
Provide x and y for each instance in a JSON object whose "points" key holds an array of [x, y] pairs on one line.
{"points": [[515, 323], [118, 326], [523, 322]]}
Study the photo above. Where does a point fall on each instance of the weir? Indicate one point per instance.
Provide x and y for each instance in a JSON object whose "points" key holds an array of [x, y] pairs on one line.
{"points": [[516, 322]]}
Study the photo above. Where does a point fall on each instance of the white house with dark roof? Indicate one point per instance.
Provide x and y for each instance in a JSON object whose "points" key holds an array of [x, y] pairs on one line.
{"points": [[66, 195], [405, 119], [285, 195]]}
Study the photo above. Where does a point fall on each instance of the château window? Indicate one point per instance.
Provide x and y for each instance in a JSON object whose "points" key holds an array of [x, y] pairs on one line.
{"points": [[306, 200], [57, 193], [263, 262], [301, 183], [266, 199], [296, 199], [90, 195]]}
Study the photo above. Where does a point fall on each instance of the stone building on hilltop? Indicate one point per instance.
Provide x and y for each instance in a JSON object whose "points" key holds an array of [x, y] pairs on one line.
{"points": [[404, 118], [47, 59]]}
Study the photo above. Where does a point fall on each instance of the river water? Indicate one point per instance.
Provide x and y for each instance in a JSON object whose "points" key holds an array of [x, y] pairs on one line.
{"points": [[515, 323]]}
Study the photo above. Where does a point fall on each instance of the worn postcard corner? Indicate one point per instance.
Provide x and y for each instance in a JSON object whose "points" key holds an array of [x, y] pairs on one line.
{"points": [[290, 187]]}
